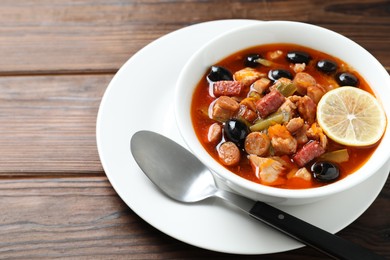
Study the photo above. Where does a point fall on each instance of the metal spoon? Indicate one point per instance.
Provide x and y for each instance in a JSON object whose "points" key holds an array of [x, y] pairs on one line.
{"points": [[181, 176]]}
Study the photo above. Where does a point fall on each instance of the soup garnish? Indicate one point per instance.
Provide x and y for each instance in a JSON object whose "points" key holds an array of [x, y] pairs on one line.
{"points": [[256, 113], [351, 116]]}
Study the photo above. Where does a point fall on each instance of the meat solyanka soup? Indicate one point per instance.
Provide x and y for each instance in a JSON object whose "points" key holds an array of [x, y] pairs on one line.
{"points": [[255, 112]]}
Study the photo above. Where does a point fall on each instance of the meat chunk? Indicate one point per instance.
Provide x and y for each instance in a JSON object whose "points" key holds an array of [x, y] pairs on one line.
{"points": [[307, 109], [246, 113], [227, 88], [284, 146], [247, 76], [281, 140], [295, 124], [269, 103], [299, 67], [308, 152], [214, 133], [249, 102], [315, 93], [257, 143], [224, 108], [289, 109], [261, 85], [315, 132], [229, 154], [302, 81], [273, 55], [301, 135], [268, 170]]}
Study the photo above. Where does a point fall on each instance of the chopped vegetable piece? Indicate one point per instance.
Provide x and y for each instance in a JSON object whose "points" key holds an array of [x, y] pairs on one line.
{"points": [[265, 62], [262, 124], [338, 156], [286, 89]]}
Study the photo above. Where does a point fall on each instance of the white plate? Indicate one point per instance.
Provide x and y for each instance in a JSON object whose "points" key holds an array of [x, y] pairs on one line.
{"points": [[140, 97]]}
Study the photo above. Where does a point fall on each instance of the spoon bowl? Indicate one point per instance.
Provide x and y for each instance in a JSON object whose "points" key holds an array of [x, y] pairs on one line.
{"points": [[189, 181]]}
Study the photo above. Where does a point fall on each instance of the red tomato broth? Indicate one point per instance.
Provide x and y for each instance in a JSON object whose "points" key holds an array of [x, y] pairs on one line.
{"points": [[202, 99]]}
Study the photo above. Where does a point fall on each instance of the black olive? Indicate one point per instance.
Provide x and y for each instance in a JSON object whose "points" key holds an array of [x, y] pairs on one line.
{"points": [[347, 79], [326, 66], [236, 132], [280, 73], [218, 73], [325, 171], [251, 60], [298, 57]]}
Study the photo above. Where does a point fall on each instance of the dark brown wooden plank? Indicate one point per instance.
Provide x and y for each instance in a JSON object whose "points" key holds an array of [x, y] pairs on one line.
{"points": [[84, 218], [47, 124], [68, 35]]}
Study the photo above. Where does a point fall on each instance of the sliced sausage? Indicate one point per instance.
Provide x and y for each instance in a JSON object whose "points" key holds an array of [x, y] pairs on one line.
{"points": [[214, 134], [227, 88], [257, 143], [269, 103], [308, 152], [229, 154]]}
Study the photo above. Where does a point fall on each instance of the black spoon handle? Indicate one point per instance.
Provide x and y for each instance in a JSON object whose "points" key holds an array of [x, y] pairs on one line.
{"points": [[310, 235]]}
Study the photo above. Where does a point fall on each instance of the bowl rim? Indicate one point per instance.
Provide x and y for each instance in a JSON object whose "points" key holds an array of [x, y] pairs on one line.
{"points": [[196, 147]]}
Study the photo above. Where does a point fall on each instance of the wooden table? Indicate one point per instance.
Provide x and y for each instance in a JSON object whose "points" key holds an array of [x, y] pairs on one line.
{"points": [[57, 58]]}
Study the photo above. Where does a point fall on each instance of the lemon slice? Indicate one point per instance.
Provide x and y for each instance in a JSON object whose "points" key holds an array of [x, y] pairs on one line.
{"points": [[351, 116]]}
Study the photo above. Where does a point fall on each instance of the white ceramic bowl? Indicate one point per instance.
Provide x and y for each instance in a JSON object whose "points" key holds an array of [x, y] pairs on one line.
{"points": [[282, 32]]}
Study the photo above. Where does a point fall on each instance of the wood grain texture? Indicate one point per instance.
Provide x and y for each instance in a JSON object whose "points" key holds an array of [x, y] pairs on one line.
{"points": [[57, 58], [47, 124], [73, 35], [84, 218]]}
